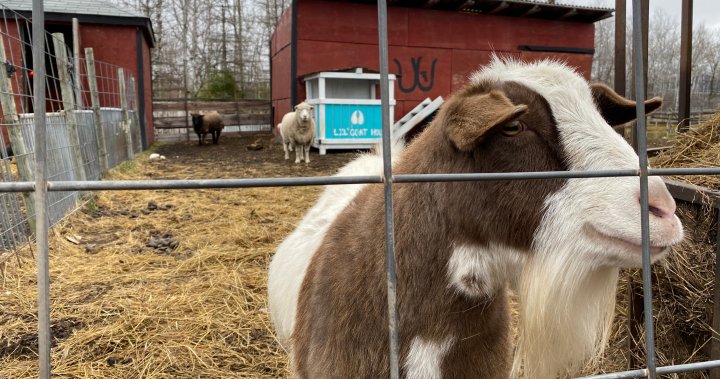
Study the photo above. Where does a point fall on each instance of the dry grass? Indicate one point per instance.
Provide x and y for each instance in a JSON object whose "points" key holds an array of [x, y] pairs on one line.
{"points": [[177, 291]]}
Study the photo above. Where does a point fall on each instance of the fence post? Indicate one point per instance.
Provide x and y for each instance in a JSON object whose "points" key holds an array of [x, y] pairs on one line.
{"points": [[135, 107], [126, 115], [685, 67], [12, 122], [68, 98], [76, 62], [95, 99]]}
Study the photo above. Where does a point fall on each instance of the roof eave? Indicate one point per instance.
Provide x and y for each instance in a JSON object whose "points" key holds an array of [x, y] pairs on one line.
{"points": [[142, 22]]}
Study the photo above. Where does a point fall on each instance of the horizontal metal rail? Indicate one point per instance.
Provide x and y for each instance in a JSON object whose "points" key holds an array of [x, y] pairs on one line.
{"points": [[97, 185], [665, 370], [684, 171]]}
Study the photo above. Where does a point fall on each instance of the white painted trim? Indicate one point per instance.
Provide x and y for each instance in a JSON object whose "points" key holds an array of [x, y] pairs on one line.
{"points": [[347, 101], [427, 110], [347, 75], [321, 88]]}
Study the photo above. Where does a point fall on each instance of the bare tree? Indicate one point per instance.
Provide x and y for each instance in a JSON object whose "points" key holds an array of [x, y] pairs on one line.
{"points": [[603, 62], [663, 59]]}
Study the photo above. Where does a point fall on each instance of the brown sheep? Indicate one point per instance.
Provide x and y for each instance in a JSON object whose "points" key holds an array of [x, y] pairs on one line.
{"points": [[209, 122]]}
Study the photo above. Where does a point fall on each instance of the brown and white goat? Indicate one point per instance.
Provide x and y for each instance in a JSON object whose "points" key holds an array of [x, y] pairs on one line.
{"points": [[558, 242]]}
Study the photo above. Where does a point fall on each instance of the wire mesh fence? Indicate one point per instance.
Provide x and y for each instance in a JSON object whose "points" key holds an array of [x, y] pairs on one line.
{"points": [[91, 120]]}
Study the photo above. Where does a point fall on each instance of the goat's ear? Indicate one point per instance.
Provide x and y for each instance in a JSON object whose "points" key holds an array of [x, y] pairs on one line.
{"points": [[469, 118], [617, 110]]}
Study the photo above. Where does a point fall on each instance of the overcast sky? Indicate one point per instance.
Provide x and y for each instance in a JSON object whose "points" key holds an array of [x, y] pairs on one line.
{"points": [[704, 11]]}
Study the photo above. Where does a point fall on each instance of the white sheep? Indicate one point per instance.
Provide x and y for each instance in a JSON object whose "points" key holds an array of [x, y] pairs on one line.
{"points": [[297, 130]]}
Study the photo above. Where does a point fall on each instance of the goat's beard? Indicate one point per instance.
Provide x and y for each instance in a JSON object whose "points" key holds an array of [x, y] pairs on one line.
{"points": [[566, 311]]}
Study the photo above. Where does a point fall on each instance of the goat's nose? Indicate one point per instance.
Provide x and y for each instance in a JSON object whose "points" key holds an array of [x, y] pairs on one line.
{"points": [[661, 203]]}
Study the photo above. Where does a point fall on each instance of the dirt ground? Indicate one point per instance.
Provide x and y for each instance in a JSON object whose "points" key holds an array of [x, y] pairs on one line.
{"points": [[165, 283]]}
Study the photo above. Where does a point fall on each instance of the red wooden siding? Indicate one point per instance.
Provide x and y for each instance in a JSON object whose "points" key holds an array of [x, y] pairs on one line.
{"points": [[432, 51], [112, 44], [117, 45]]}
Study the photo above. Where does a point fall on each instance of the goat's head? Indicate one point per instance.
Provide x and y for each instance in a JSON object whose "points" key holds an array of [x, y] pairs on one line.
{"points": [[304, 112], [545, 117], [577, 232]]}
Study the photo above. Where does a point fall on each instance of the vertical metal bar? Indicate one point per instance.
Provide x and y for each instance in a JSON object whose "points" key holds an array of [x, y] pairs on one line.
{"points": [[41, 200], [634, 308], [685, 65], [644, 12], [715, 343], [387, 174], [644, 207]]}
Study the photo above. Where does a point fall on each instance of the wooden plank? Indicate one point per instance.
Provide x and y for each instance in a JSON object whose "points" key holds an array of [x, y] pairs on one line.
{"points": [[691, 193], [76, 61], [208, 106], [126, 114], [178, 122], [68, 99], [95, 100]]}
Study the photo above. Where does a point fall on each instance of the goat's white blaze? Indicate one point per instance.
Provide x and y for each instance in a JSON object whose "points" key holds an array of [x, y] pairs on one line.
{"points": [[589, 229], [482, 271], [424, 359]]}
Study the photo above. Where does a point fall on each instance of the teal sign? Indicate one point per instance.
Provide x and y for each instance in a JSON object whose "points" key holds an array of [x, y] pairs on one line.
{"points": [[351, 121]]}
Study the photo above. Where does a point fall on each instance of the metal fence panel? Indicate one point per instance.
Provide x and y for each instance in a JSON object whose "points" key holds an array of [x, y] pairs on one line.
{"points": [[61, 180], [88, 140], [71, 156]]}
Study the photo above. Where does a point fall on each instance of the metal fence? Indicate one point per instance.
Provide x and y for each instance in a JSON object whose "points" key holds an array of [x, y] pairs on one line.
{"points": [[46, 182], [90, 116]]}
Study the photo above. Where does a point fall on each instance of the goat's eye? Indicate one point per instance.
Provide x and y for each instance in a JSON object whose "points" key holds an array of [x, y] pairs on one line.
{"points": [[512, 128]]}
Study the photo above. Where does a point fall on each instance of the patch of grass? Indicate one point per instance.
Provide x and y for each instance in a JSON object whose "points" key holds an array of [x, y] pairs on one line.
{"points": [[91, 205]]}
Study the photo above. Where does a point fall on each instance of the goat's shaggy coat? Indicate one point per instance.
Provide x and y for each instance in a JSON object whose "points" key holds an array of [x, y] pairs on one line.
{"points": [[459, 244]]}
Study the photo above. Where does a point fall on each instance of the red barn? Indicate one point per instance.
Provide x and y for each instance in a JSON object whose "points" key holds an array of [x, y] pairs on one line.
{"points": [[433, 44], [118, 36]]}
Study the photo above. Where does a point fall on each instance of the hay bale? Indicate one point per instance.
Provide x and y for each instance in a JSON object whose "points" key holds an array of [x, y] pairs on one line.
{"points": [[684, 284]]}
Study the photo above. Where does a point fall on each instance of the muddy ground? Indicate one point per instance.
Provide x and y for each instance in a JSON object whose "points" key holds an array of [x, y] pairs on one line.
{"points": [[166, 283]]}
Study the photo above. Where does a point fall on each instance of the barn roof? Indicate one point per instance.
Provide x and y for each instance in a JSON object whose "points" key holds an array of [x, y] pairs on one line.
{"points": [[514, 8], [87, 11]]}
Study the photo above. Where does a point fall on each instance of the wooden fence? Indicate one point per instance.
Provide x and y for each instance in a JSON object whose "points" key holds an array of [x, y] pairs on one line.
{"points": [[172, 116]]}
